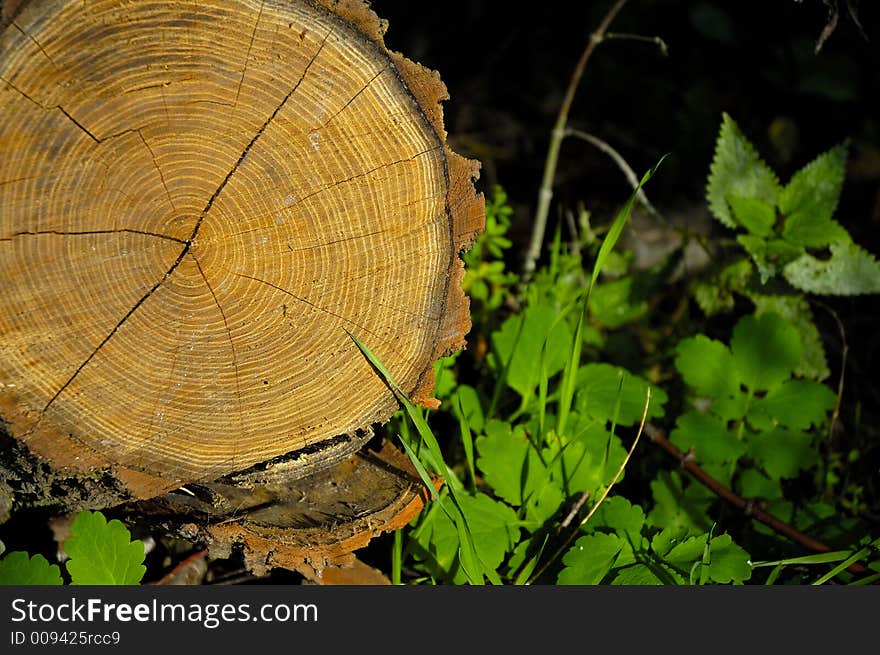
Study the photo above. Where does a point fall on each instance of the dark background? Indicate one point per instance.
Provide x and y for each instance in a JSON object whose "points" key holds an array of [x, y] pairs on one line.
{"points": [[506, 67]]}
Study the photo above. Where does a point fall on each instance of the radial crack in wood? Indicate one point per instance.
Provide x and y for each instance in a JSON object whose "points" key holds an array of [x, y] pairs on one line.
{"points": [[197, 201]]}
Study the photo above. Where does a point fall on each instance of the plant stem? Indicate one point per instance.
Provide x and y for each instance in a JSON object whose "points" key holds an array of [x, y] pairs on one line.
{"points": [[746, 506], [545, 194]]}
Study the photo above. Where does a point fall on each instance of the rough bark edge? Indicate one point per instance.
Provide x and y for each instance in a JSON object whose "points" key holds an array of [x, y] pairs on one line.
{"points": [[465, 207], [309, 551]]}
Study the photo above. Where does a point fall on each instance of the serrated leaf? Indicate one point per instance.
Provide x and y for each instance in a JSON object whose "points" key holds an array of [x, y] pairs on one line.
{"points": [[707, 366], [737, 170], [765, 349], [18, 568], [796, 311], [667, 539], [636, 575], [849, 271], [781, 452], [757, 216], [589, 560], [811, 195], [770, 256], [728, 563], [102, 552], [715, 447], [803, 230], [796, 404], [597, 394]]}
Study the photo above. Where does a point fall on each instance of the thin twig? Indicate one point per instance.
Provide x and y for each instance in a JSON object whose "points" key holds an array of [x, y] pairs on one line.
{"points": [[656, 40], [602, 497], [574, 510], [618, 159], [748, 507], [545, 194]]}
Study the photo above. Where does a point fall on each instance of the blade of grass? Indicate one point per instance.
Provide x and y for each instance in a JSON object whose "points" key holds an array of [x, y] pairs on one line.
{"points": [[855, 557], [567, 385], [774, 574], [819, 558], [397, 557], [523, 576], [468, 556], [467, 442]]}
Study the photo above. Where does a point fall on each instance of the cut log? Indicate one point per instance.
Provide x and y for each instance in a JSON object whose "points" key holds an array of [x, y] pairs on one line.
{"points": [[199, 203]]}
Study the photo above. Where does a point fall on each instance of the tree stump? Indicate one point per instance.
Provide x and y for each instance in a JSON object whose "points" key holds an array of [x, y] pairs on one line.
{"points": [[199, 203]]}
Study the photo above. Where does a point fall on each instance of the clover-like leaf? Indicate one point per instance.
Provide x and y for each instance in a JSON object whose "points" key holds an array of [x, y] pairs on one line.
{"points": [[796, 311], [102, 552], [797, 404], [502, 454], [590, 559], [728, 562], [679, 506], [636, 575], [737, 171], [707, 366], [715, 447], [18, 568], [597, 394], [849, 271], [520, 341], [811, 195], [781, 452], [766, 350]]}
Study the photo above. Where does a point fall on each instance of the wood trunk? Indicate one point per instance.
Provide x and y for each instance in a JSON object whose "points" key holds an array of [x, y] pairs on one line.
{"points": [[199, 203]]}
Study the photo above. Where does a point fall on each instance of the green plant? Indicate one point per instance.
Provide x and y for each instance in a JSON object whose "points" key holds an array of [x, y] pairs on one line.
{"points": [[100, 553]]}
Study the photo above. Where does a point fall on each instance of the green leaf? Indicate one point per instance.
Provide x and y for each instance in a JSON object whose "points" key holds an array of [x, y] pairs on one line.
{"points": [[715, 294], [811, 195], [679, 506], [766, 350], [17, 568], [770, 256], [849, 271], [796, 404], [707, 366], [589, 560], [737, 171], [636, 575], [537, 324], [781, 452], [757, 216], [613, 303], [729, 562], [501, 456], [493, 527], [102, 552], [597, 394], [796, 311], [804, 230], [617, 513], [715, 447]]}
